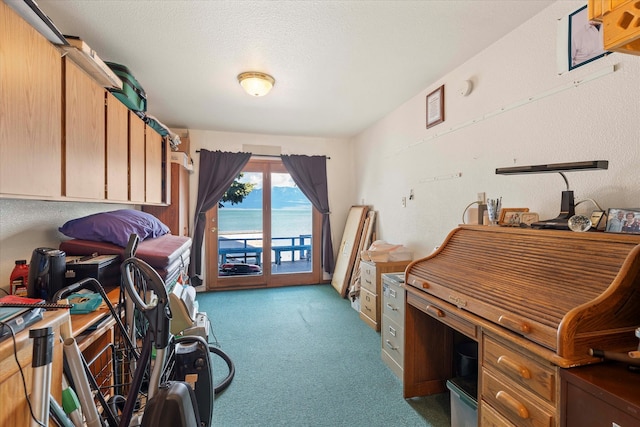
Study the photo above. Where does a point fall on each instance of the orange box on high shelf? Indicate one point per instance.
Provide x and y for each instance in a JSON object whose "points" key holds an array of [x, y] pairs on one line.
{"points": [[622, 28], [599, 8]]}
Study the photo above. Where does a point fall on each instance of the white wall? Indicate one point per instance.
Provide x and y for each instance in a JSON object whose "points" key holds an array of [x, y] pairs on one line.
{"points": [[29, 224], [599, 120]]}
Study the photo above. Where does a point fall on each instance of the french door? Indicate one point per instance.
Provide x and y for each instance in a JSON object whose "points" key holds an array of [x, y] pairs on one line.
{"points": [[270, 239]]}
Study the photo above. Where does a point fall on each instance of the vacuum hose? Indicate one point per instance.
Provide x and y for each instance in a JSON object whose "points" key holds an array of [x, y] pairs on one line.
{"points": [[232, 369]]}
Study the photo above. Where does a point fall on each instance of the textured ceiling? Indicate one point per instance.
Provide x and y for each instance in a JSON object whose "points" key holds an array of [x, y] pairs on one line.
{"points": [[339, 65]]}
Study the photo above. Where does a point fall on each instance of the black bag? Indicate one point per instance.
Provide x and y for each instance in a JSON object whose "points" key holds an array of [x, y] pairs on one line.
{"points": [[192, 360], [132, 94], [173, 405]]}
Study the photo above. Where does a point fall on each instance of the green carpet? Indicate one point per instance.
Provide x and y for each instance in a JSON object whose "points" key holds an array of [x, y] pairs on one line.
{"points": [[303, 357]]}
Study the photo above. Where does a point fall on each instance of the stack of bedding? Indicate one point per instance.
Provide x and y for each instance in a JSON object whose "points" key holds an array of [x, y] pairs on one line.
{"points": [[107, 233]]}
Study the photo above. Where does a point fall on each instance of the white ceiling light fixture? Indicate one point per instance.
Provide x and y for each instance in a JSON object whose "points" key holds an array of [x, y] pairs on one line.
{"points": [[256, 83]]}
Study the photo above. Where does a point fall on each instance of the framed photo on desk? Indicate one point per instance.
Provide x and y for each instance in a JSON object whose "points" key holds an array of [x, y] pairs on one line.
{"points": [[623, 221]]}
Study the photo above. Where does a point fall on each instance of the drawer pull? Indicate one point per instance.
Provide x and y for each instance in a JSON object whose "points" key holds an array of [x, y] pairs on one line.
{"points": [[392, 308], [511, 403], [390, 345], [514, 325], [435, 310], [368, 281], [512, 366], [419, 284]]}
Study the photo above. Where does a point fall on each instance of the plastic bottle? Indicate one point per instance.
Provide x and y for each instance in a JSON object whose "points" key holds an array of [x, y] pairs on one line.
{"points": [[19, 278]]}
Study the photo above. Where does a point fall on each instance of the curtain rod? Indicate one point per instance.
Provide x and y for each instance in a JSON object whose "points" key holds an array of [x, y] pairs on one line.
{"points": [[268, 155]]}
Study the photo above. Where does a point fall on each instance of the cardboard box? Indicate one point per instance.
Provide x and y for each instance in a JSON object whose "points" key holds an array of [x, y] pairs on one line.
{"points": [[87, 59]]}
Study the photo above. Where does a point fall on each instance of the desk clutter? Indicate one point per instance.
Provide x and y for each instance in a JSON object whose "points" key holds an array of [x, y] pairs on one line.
{"points": [[140, 346]]}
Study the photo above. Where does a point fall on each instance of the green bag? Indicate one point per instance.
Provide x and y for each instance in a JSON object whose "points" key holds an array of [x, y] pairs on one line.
{"points": [[132, 94], [155, 124]]}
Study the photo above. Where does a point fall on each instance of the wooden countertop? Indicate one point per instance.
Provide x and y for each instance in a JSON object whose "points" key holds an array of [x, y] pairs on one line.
{"points": [[81, 323]]}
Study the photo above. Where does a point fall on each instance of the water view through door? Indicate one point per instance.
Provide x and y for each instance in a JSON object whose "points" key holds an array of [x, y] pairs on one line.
{"points": [[268, 238]]}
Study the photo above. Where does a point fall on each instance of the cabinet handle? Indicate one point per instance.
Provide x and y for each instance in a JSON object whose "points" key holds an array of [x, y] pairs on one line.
{"points": [[388, 343], [512, 404], [391, 307], [514, 325], [510, 365], [435, 310], [419, 284], [368, 281]]}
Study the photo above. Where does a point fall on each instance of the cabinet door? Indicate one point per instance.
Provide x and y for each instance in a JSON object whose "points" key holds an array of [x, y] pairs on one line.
{"points": [[136, 159], [85, 135], [176, 215], [30, 110], [117, 150], [153, 172]]}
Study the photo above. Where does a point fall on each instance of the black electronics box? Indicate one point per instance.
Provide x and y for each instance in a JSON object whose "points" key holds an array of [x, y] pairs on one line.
{"points": [[104, 268]]}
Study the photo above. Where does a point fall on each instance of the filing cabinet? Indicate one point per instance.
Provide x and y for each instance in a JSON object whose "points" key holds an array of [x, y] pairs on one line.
{"points": [[370, 288], [392, 335]]}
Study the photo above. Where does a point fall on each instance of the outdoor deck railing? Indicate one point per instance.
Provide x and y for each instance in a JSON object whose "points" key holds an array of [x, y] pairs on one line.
{"points": [[240, 249]]}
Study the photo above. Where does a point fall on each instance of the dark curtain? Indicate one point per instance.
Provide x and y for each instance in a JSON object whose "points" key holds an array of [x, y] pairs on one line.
{"points": [[218, 169], [310, 175]]}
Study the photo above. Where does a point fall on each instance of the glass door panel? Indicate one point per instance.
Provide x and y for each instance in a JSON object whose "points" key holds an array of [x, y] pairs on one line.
{"points": [[291, 227], [240, 231], [268, 238]]}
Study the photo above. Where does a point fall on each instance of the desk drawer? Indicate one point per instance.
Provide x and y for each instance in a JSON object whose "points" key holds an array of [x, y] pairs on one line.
{"points": [[521, 369], [516, 405], [438, 310], [490, 418]]}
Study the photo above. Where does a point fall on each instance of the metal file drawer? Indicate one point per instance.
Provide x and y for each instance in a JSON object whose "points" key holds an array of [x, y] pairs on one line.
{"points": [[392, 299]]}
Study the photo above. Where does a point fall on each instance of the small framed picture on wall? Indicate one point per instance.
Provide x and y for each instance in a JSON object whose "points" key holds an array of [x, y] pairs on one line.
{"points": [[586, 39], [435, 107]]}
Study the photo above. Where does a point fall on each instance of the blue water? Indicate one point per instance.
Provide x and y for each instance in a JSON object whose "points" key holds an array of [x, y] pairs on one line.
{"points": [[285, 222]]}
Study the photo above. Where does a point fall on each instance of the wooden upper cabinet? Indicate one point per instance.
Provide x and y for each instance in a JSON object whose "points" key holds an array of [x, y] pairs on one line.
{"points": [[154, 169], [176, 214], [30, 110], [84, 164], [117, 150], [136, 159]]}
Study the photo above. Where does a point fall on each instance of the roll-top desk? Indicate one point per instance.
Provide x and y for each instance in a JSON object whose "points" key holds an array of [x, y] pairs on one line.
{"points": [[535, 301]]}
